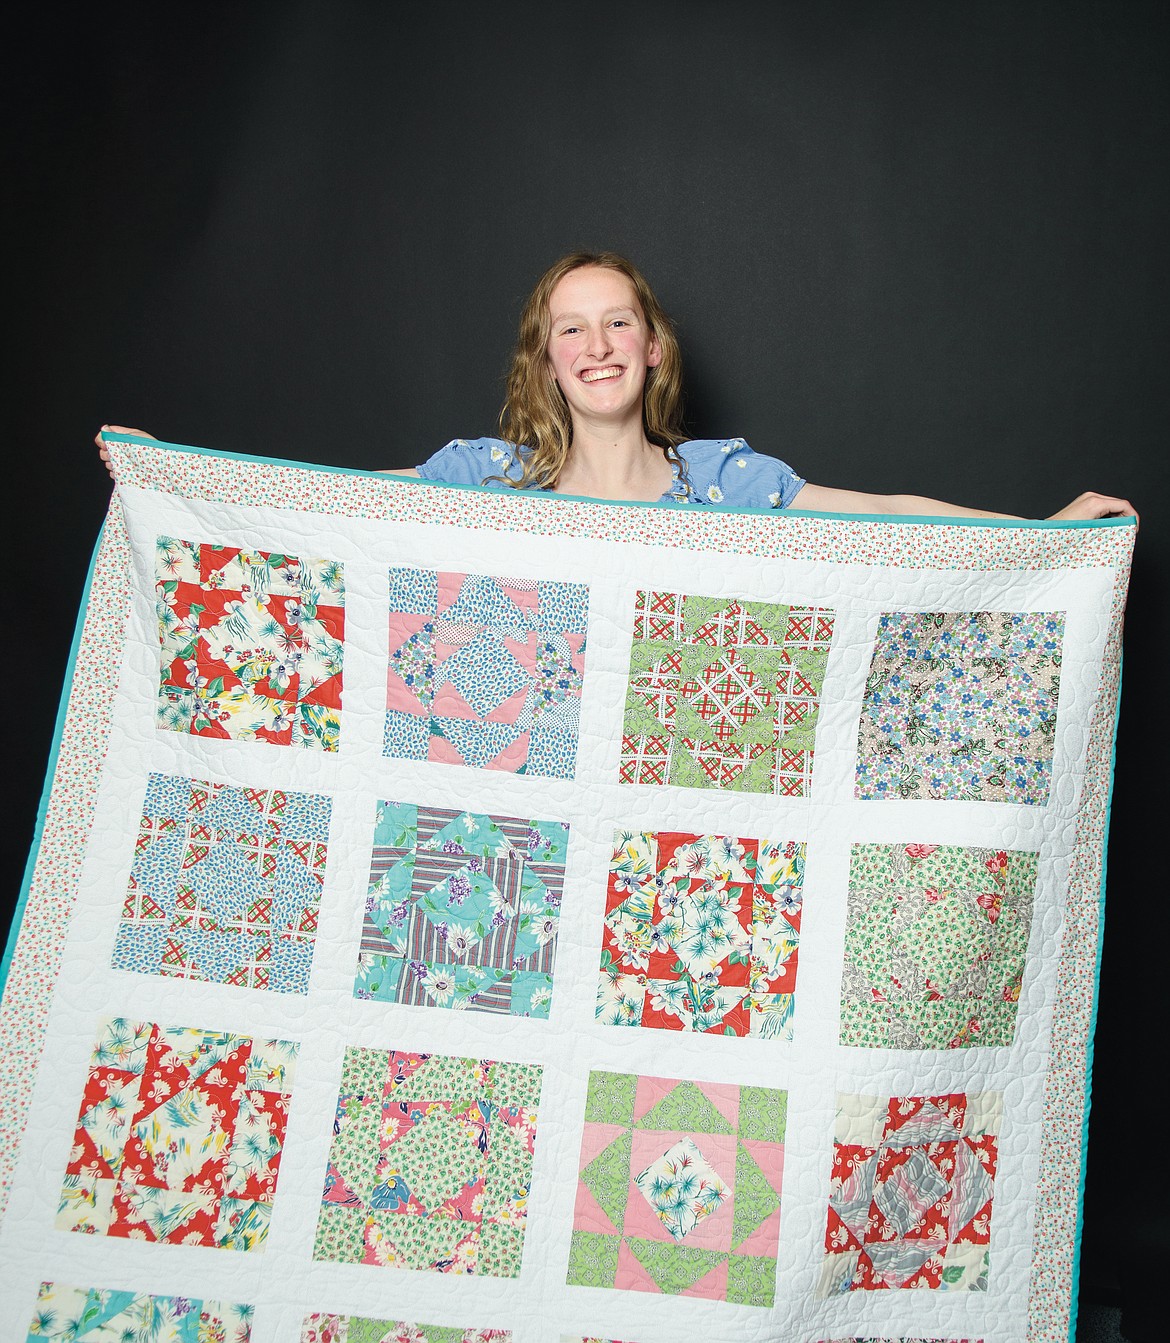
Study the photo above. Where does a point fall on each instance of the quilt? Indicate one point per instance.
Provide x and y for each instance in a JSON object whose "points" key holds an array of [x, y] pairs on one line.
{"points": [[464, 915]]}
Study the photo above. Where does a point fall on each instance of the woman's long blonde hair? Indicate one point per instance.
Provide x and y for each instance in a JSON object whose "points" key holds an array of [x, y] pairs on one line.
{"points": [[535, 415]]}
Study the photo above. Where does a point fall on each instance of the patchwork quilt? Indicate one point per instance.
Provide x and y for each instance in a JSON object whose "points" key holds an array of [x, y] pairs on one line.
{"points": [[474, 916]]}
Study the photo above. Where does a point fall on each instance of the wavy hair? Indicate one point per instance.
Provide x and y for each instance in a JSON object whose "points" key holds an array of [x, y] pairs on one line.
{"points": [[535, 414]]}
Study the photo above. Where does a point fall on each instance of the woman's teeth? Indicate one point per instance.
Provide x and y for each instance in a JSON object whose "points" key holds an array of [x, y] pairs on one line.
{"points": [[597, 374]]}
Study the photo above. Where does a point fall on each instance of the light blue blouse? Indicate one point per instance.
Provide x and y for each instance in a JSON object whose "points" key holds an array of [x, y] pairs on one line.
{"points": [[719, 472]]}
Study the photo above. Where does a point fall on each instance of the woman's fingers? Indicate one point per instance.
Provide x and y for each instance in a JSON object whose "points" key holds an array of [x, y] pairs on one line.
{"points": [[103, 451], [1090, 506]]}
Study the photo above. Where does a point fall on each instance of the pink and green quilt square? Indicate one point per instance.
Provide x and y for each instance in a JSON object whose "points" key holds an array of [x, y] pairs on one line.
{"points": [[179, 1136], [701, 933], [226, 885], [912, 1188], [252, 644], [430, 1164], [679, 1188], [724, 693], [936, 941], [485, 671], [66, 1314], [365, 1329], [961, 706], [462, 911]]}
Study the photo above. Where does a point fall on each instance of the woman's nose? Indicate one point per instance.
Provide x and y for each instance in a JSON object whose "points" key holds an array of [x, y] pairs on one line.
{"points": [[599, 342]]}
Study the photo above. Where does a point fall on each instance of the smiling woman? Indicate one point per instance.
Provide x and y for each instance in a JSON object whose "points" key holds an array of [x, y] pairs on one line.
{"points": [[594, 408]]}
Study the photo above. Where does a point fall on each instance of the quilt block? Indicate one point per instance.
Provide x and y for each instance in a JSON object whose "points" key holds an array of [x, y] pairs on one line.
{"points": [[179, 1136], [485, 671], [363, 1329], [252, 644], [723, 693], [463, 910], [66, 1314], [679, 1190], [431, 1163], [650, 908], [913, 1184], [226, 884], [702, 934], [961, 705], [935, 945]]}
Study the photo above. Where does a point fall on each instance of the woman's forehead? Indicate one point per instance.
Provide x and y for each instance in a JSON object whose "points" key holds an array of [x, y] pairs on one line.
{"points": [[590, 288]]}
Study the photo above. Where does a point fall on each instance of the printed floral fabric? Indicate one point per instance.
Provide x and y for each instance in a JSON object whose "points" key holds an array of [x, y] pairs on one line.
{"points": [[362, 1329], [485, 671], [912, 1186], [935, 945], [463, 910], [701, 934], [102, 1315], [179, 1136], [430, 1164], [679, 1188], [226, 885], [961, 706], [252, 644], [723, 693]]}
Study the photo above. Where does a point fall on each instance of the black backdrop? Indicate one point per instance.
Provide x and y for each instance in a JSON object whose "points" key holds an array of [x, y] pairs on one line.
{"points": [[909, 246]]}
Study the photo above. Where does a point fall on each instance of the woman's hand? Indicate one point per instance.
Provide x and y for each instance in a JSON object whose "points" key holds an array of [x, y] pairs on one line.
{"points": [[103, 452], [1090, 506]]}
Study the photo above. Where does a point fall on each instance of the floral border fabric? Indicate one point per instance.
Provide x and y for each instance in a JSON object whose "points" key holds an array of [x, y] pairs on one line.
{"points": [[179, 1136], [105, 1315], [936, 941], [226, 884], [724, 693], [485, 671], [463, 910], [961, 706], [430, 1164], [679, 1189], [701, 933], [363, 1329], [912, 1187], [252, 644]]}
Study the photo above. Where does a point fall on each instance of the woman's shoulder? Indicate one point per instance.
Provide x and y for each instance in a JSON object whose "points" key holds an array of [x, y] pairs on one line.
{"points": [[473, 461], [727, 471]]}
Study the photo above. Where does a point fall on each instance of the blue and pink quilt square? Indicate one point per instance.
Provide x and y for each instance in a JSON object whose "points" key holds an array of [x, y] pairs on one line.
{"points": [[485, 671]]}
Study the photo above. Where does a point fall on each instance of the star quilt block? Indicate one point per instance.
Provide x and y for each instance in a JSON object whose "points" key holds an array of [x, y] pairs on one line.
{"points": [[912, 1189], [961, 706], [936, 942], [430, 1164], [252, 644], [225, 885], [463, 910], [485, 671], [363, 1329], [179, 1136], [679, 1188], [724, 693], [66, 1314], [702, 933]]}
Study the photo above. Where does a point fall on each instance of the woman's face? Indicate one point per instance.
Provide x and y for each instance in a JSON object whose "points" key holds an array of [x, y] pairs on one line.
{"points": [[599, 345]]}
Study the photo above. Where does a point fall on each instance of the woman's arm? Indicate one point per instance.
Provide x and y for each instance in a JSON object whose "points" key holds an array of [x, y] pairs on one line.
{"points": [[824, 499]]}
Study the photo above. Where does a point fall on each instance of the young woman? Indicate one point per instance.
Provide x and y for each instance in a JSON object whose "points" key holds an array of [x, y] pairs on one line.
{"points": [[594, 408]]}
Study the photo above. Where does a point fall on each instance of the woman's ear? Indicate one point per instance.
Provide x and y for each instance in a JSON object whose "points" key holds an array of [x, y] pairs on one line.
{"points": [[654, 354]]}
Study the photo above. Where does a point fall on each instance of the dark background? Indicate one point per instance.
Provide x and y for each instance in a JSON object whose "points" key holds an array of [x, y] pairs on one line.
{"points": [[909, 246]]}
